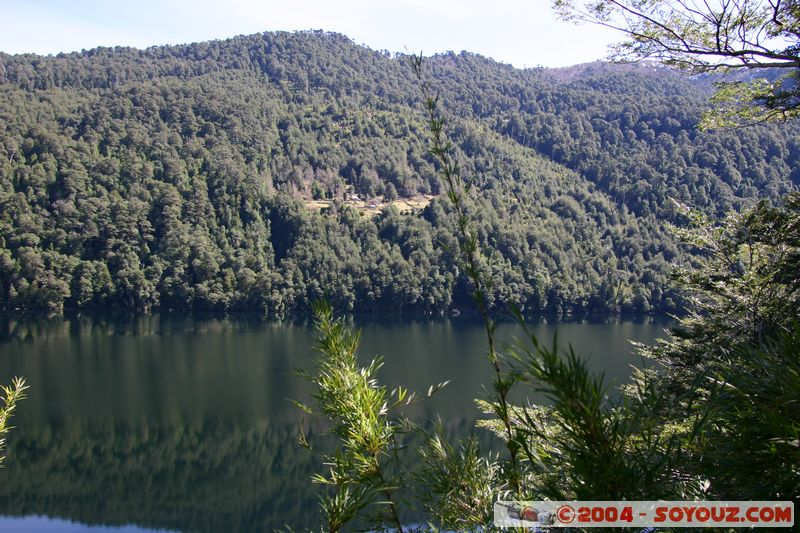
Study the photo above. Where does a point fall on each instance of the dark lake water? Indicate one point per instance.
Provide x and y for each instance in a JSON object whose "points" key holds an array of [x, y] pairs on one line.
{"points": [[184, 424]]}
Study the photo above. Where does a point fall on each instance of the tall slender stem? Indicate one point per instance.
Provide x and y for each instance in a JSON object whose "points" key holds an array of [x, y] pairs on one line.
{"points": [[468, 244]]}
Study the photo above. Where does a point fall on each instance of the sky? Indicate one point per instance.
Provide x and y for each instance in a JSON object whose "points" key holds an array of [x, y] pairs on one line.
{"points": [[524, 33]]}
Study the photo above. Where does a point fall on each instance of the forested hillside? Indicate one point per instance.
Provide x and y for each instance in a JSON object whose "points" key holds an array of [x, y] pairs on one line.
{"points": [[183, 177]]}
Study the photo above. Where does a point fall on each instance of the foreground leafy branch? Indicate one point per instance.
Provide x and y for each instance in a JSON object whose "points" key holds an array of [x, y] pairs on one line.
{"points": [[587, 442], [364, 476], [11, 395], [734, 356], [711, 36], [456, 189]]}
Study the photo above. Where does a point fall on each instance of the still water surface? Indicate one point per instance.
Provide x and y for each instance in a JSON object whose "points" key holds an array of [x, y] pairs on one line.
{"points": [[183, 424]]}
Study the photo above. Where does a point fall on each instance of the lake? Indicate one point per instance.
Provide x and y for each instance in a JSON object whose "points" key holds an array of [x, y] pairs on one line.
{"points": [[182, 423]]}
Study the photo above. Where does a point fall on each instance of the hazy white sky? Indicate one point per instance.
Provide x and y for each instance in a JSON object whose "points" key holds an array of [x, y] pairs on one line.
{"points": [[523, 33]]}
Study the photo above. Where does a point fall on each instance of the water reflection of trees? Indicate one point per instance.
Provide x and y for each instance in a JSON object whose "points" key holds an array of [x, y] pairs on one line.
{"points": [[213, 477], [183, 422], [206, 478], [36, 327]]}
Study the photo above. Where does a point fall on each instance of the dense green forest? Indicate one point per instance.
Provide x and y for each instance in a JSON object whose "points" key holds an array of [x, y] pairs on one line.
{"points": [[182, 177]]}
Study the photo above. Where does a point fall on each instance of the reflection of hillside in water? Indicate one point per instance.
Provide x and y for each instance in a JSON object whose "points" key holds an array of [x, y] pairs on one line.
{"points": [[206, 478], [212, 477], [184, 423]]}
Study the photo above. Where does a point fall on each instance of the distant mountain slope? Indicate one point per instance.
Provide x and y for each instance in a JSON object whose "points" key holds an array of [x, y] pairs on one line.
{"points": [[181, 177]]}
